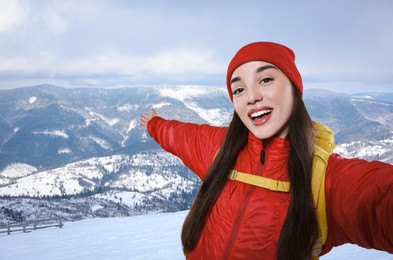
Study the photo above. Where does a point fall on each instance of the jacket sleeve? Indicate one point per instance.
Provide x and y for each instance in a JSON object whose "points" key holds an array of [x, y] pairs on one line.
{"points": [[196, 145], [359, 201]]}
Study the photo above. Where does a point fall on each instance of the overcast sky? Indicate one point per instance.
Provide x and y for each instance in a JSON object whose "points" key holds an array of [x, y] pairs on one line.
{"points": [[341, 45]]}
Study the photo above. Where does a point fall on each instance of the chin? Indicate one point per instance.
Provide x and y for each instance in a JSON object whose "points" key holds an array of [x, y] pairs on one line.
{"points": [[262, 135], [268, 132]]}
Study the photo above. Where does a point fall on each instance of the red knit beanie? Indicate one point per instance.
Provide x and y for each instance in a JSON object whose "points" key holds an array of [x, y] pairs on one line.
{"points": [[274, 53]]}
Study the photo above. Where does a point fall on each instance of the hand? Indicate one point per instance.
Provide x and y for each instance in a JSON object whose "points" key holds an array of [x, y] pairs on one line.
{"points": [[145, 118]]}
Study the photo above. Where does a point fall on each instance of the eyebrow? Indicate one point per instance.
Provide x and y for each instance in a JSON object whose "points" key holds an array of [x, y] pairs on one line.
{"points": [[258, 70]]}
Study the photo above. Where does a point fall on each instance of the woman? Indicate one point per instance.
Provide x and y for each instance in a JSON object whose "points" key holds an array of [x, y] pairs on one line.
{"points": [[271, 135]]}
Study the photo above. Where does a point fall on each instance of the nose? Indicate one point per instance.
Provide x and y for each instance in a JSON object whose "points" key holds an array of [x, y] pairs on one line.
{"points": [[254, 95]]}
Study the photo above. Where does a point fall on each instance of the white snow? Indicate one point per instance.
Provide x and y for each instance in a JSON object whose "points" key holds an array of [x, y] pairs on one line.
{"points": [[388, 141], [366, 150], [45, 183], [128, 108], [377, 150], [52, 133], [133, 124], [155, 236], [96, 207], [101, 142], [49, 182], [64, 150], [32, 99], [144, 137], [110, 122], [160, 105], [214, 116], [128, 198], [88, 122], [83, 175], [17, 170], [185, 94]]}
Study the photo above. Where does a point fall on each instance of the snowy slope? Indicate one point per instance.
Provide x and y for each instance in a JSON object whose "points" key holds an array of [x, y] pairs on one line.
{"points": [[142, 172], [15, 171], [142, 237]]}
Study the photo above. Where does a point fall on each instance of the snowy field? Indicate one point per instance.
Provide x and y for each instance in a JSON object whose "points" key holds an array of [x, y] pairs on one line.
{"points": [[141, 237]]}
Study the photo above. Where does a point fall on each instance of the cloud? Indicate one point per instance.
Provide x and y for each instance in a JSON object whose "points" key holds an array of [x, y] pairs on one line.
{"points": [[12, 13], [56, 23], [92, 70], [112, 62], [98, 42], [183, 61]]}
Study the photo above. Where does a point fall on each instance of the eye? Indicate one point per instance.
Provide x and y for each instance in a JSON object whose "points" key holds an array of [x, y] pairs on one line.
{"points": [[237, 91], [265, 80]]}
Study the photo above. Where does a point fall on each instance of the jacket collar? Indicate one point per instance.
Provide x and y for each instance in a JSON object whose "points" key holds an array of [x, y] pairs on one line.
{"points": [[274, 145], [276, 155]]}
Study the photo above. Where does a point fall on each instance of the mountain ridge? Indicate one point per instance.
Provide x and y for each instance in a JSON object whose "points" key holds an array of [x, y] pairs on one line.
{"points": [[56, 144]]}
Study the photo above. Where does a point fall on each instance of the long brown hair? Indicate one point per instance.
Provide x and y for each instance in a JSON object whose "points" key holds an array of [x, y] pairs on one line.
{"points": [[300, 228]]}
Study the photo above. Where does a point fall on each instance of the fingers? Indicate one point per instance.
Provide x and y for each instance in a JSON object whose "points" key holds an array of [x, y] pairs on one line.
{"points": [[153, 112], [145, 118]]}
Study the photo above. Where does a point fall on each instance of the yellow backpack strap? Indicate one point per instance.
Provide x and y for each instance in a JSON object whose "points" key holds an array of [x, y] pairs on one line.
{"points": [[324, 137], [260, 181], [324, 146], [318, 190]]}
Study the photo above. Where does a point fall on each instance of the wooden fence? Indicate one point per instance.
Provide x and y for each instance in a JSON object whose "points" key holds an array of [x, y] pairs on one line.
{"points": [[28, 226]]}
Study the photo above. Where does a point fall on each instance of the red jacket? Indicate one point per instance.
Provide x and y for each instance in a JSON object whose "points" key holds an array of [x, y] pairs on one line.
{"points": [[246, 221]]}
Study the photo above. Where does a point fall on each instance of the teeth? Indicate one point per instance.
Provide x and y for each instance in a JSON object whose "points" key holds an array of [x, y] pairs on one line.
{"points": [[260, 113]]}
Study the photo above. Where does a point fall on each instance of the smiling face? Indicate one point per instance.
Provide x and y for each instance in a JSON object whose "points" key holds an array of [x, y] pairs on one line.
{"points": [[263, 98]]}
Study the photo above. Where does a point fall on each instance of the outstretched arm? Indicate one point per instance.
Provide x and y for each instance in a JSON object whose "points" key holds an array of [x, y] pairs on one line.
{"points": [[196, 145], [360, 203]]}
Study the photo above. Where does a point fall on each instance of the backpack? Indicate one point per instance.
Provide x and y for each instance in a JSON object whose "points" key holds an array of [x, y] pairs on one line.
{"points": [[323, 148]]}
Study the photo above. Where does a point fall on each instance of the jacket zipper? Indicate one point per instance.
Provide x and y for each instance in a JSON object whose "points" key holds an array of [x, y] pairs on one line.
{"points": [[239, 217], [236, 227]]}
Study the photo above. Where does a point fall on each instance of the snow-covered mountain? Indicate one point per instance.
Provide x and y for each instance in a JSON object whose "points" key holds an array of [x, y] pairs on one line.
{"points": [[47, 126], [80, 152]]}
